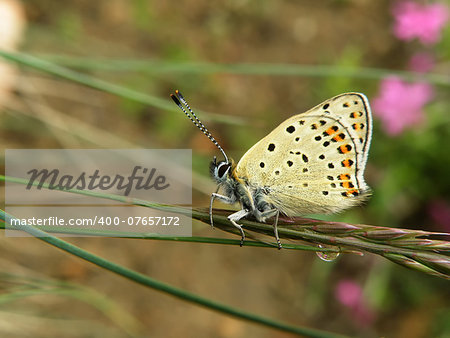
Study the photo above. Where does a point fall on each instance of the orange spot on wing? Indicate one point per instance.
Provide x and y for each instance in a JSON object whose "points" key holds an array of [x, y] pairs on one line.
{"points": [[347, 185], [358, 126], [354, 192], [330, 131], [338, 138], [355, 114], [345, 148], [347, 163]]}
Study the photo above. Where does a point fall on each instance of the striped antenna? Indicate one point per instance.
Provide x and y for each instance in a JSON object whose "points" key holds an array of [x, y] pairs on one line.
{"points": [[179, 101]]}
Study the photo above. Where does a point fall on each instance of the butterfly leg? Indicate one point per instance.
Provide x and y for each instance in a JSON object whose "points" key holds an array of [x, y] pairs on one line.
{"points": [[222, 198], [276, 213], [236, 217], [275, 229]]}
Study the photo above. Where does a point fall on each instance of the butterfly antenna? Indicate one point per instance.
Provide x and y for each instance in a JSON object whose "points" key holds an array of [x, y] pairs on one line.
{"points": [[179, 101]]}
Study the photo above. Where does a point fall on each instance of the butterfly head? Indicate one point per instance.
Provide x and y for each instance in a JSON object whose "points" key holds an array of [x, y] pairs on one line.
{"points": [[221, 171]]}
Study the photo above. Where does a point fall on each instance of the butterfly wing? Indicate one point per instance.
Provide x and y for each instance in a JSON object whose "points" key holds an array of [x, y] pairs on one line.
{"points": [[314, 162]]}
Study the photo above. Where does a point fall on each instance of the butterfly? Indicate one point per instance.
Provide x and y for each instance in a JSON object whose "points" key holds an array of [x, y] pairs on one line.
{"points": [[311, 163]]}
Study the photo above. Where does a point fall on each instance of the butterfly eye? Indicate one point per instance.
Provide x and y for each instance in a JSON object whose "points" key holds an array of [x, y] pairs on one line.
{"points": [[222, 169]]}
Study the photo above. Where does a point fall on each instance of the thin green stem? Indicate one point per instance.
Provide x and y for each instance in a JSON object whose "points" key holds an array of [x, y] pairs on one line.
{"points": [[89, 81], [160, 286], [409, 248], [35, 287], [156, 66], [195, 213]]}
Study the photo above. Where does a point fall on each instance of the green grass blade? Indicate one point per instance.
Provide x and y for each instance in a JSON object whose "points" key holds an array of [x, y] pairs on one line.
{"points": [[89, 81], [197, 213], [30, 287], [160, 286], [272, 69]]}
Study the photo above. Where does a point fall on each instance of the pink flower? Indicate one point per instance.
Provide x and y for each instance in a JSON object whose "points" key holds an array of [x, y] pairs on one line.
{"points": [[350, 294], [425, 22], [400, 104], [421, 62]]}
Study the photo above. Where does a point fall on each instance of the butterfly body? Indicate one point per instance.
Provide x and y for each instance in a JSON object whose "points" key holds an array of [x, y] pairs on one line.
{"points": [[236, 188], [311, 163]]}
